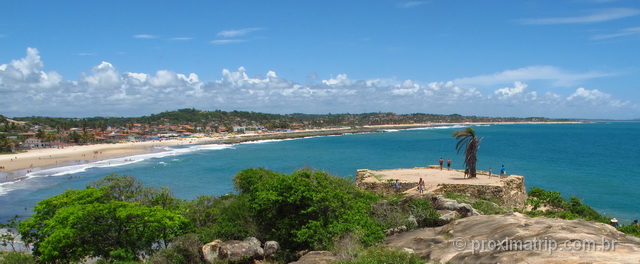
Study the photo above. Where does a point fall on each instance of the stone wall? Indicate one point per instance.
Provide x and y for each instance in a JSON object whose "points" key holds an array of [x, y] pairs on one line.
{"points": [[366, 181], [511, 191]]}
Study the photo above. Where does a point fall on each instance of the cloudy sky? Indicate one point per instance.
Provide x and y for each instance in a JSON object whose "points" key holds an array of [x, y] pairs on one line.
{"points": [[555, 58]]}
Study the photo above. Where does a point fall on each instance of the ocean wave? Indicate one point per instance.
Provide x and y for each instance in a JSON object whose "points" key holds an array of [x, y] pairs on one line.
{"points": [[7, 187], [439, 127]]}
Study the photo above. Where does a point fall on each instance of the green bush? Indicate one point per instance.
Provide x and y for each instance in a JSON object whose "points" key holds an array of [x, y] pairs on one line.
{"points": [[550, 198], [307, 209], [184, 249], [389, 215], [423, 211], [118, 221], [16, 258], [561, 208], [382, 255], [630, 229]]}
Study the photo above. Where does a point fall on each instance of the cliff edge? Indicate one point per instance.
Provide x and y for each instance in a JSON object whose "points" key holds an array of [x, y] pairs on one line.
{"points": [[511, 190], [516, 238]]}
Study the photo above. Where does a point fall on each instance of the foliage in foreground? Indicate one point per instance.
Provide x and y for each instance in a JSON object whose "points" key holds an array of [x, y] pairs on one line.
{"points": [[630, 229], [307, 209], [116, 220], [16, 258], [558, 207]]}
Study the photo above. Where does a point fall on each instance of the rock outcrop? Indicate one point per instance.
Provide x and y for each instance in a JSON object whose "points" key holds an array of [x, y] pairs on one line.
{"points": [[516, 238], [441, 203], [511, 191], [365, 180], [234, 250], [317, 257]]}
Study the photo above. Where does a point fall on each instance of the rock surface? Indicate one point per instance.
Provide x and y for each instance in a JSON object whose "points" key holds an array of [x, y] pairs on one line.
{"points": [[317, 257], [516, 238], [441, 203], [271, 247], [510, 191], [250, 248]]}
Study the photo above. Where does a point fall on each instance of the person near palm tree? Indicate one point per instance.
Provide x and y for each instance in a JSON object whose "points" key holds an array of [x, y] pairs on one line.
{"points": [[467, 139]]}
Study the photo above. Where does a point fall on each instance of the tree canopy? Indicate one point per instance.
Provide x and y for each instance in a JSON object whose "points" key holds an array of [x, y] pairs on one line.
{"points": [[115, 220]]}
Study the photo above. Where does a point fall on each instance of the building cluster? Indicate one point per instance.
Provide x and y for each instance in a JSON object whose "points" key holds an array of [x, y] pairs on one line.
{"points": [[42, 136]]}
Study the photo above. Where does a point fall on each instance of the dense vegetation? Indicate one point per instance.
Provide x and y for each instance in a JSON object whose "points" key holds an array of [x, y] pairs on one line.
{"points": [[270, 121], [558, 207], [114, 219], [117, 219], [573, 208]]}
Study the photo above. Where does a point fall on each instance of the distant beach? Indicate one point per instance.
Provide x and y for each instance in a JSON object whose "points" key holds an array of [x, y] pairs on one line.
{"points": [[17, 165]]}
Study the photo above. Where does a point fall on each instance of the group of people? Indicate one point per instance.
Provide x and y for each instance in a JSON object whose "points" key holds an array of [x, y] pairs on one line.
{"points": [[448, 163], [614, 223], [503, 170], [396, 186]]}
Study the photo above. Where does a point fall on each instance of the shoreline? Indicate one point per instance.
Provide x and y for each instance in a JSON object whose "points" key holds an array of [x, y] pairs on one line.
{"points": [[17, 165]]}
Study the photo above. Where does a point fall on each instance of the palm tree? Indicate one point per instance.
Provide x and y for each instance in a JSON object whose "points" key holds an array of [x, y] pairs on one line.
{"points": [[467, 138]]}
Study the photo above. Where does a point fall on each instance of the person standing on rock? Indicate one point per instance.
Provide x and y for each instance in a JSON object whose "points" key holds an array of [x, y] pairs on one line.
{"points": [[503, 171], [449, 164], [441, 162], [396, 186], [421, 186]]}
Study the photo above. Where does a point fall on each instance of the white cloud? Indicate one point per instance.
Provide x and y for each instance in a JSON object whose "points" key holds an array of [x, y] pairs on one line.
{"points": [[557, 76], [237, 32], [27, 90], [601, 15], [26, 74], [622, 33], [340, 80], [181, 38], [595, 97], [506, 92], [145, 36]]}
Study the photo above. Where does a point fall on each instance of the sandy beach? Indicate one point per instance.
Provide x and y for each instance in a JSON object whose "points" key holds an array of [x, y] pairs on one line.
{"points": [[14, 166]]}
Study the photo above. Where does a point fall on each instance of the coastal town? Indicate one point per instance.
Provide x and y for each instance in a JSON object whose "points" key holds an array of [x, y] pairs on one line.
{"points": [[18, 134]]}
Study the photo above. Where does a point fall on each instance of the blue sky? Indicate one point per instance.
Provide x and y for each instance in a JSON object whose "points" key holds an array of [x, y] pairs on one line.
{"points": [[571, 58]]}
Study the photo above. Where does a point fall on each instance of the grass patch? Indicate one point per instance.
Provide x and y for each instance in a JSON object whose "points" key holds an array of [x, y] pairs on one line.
{"points": [[377, 176], [381, 255], [485, 205]]}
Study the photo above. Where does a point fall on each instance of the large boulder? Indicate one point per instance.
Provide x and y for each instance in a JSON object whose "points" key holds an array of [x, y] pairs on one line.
{"points": [[271, 247], [517, 238], [441, 203], [250, 248]]}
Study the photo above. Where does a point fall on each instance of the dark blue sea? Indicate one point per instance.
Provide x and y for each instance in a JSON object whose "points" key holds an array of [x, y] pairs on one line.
{"points": [[597, 162]]}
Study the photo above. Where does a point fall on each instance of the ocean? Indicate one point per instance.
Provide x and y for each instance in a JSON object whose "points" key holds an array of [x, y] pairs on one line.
{"points": [[597, 162]]}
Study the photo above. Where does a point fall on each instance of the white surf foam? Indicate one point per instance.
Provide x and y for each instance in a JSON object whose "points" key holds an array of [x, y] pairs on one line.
{"points": [[7, 187]]}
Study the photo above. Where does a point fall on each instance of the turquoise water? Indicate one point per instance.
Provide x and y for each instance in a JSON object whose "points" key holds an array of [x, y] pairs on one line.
{"points": [[596, 162]]}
